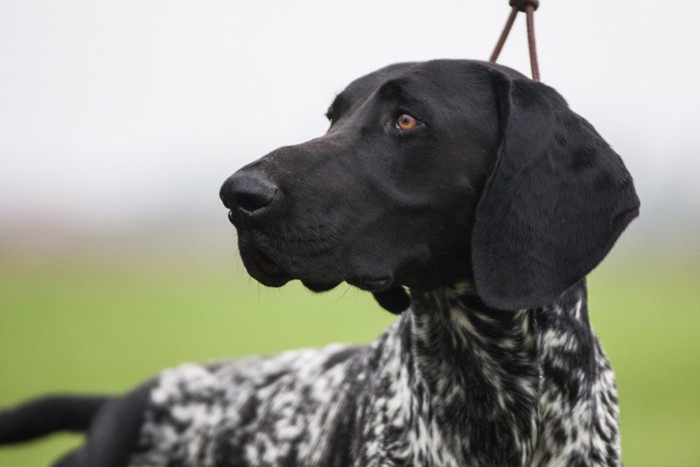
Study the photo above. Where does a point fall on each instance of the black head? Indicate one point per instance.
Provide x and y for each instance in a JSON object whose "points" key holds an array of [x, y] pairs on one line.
{"points": [[432, 173]]}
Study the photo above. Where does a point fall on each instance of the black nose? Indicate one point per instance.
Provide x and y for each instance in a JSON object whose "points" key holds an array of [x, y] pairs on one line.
{"points": [[248, 192]]}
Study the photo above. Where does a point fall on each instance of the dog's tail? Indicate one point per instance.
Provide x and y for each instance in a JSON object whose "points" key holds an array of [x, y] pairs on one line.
{"points": [[42, 416]]}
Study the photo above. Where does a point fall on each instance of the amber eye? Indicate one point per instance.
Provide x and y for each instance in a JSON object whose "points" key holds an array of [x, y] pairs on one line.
{"points": [[405, 122]]}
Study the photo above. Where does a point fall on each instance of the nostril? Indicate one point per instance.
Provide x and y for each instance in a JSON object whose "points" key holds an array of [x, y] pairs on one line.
{"points": [[251, 202], [247, 192]]}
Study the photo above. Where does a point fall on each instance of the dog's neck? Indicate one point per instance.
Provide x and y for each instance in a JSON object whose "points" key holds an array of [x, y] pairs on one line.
{"points": [[481, 373]]}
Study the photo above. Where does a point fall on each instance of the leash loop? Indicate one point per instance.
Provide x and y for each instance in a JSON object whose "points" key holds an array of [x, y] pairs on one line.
{"points": [[528, 7]]}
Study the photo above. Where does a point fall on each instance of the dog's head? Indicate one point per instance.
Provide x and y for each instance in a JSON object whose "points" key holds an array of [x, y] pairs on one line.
{"points": [[432, 173]]}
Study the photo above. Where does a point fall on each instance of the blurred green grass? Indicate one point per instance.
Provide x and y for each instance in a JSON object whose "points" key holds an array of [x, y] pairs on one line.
{"points": [[104, 324]]}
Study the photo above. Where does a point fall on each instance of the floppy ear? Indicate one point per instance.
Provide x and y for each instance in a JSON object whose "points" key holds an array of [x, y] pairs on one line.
{"points": [[557, 199]]}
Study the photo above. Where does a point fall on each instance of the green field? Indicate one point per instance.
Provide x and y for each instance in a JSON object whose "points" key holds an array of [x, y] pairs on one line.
{"points": [[106, 323]]}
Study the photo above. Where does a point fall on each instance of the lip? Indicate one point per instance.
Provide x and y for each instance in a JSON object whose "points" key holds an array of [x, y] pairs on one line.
{"points": [[269, 272], [266, 265], [274, 270], [371, 284], [318, 287], [261, 267]]}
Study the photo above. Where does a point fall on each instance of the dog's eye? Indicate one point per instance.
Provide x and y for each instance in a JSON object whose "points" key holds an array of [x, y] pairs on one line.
{"points": [[405, 122]]}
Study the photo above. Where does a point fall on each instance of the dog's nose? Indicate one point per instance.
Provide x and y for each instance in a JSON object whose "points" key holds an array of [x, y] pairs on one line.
{"points": [[248, 192]]}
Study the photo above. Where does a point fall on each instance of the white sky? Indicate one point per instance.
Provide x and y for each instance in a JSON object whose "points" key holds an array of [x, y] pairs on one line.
{"points": [[117, 113]]}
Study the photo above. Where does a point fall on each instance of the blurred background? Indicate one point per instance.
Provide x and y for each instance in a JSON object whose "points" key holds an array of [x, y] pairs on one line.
{"points": [[120, 120]]}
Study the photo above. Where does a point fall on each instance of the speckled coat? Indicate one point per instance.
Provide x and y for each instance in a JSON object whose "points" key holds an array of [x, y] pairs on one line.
{"points": [[446, 384]]}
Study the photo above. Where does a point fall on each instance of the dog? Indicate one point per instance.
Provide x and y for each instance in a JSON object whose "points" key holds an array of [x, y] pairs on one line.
{"points": [[469, 200]]}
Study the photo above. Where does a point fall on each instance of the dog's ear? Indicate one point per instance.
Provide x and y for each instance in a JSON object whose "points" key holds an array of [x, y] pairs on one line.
{"points": [[557, 199]]}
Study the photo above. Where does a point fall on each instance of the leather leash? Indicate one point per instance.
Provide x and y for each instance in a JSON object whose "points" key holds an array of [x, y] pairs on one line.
{"points": [[528, 7]]}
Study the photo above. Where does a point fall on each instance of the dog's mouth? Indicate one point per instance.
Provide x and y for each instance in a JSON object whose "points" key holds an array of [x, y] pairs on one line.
{"points": [[262, 267], [266, 264], [274, 269], [270, 273], [371, 284]]}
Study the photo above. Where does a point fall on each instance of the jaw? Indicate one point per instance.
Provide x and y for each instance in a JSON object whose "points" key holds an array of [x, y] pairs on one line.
{"points": [[318, 272], [362, 263]]}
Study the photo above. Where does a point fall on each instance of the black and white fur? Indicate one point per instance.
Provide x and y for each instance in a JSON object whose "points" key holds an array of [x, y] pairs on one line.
{"points": [[469, 186]]}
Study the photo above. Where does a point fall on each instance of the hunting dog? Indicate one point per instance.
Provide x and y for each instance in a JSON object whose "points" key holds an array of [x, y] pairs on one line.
{"points": [[468, 199]]}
